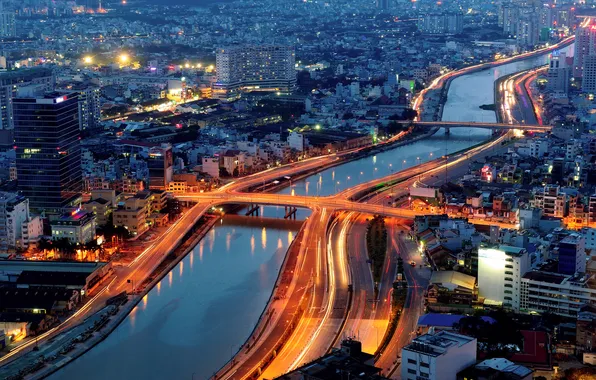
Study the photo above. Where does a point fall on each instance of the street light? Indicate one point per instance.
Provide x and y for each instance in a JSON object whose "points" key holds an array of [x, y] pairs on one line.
{"points": [[88, 60], [123, 58]]}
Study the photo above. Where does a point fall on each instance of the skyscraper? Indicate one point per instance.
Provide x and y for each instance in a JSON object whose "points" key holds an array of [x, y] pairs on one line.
{"points": [[12, 82], [558, 73], [160, 165], [7, 23], [585, 44], [48, 150], [254, 68]]}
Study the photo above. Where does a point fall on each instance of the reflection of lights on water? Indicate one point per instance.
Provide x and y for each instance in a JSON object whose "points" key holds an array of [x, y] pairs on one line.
{"points": [[158, 288], [290, 237], [145, 302], [228, 241], [333, 175], [374, 159], [307, 183], [192, 258], [181, 270], [293, 192], [201, 250], [279, 243], [211, 240], [264, 238], [170, 278], [252, 244]]}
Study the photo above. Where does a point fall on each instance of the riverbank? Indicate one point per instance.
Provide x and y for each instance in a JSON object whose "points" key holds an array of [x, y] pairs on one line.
{"points": [[276, 303], [108, 325]]}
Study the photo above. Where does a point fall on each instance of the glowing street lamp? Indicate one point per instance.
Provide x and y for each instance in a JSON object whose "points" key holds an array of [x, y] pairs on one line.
{"points": [[88, 60], [123, 58]]}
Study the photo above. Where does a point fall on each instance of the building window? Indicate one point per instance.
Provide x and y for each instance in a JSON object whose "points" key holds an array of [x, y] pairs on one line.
{"points": [[412, 371], [412, 361]]}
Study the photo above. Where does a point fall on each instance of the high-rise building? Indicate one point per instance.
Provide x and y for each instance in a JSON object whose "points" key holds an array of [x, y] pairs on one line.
{"points": [[558, 73], [14, 211], [454, 23], [89, 107], [48, 151], [499, 275], [254, 68], [527, 31], [589, 73], [438, 356], [13, 81], [7, 23], [510, 18], [585, 45], [383, 4], [572, 254], [161, 166], [442, 23]]}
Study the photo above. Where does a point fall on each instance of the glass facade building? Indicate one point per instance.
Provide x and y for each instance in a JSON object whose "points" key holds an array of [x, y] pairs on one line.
{"points": [[48, 150]]}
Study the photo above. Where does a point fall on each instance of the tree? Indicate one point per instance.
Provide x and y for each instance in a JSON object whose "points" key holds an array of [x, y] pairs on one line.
{"points": [[409, 114]]}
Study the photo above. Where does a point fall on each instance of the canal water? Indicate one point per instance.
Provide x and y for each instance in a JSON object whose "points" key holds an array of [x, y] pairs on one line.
{"points": [[202, 311]]}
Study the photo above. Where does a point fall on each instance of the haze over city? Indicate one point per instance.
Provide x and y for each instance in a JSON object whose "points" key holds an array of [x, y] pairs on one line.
{"points": [[298, 189]]}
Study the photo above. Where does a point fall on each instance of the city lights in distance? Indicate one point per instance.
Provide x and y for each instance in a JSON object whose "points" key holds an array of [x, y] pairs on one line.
{"points": [[88, 59], [123, 58]]}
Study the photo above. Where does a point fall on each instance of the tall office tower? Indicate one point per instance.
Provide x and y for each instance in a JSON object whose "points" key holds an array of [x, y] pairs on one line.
{"points": [[585, 44], [527, 31], [383, 4], [254, 68], [14, 81], [558, 73], [161, 167], [48, 150]]}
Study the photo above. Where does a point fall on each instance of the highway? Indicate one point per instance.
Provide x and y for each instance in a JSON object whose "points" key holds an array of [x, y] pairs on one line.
{"points": [[328, 263], [441, 80]]}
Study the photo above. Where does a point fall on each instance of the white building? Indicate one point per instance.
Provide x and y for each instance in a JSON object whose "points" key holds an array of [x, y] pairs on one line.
{"points": [[254, 68], [211, 166], [539, 147], [297, 141], [499, 275], [78, 227], [14, 211], [558, 74], [556, 293], [437, 356]]}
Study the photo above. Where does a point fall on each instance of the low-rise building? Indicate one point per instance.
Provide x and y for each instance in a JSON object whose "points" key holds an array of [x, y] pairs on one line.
{"points": [[555, 293], [132, 216], [437, 356], [78, 227]]}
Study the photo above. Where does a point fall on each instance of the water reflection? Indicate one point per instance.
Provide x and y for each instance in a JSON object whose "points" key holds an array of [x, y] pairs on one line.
{"points": [[191, 325]]}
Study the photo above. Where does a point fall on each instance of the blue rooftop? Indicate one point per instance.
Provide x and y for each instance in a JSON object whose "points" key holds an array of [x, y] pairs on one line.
{"points": [[445, 320]]}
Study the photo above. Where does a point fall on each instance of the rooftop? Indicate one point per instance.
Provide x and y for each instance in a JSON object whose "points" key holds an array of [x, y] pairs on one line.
{"points": [[439, 343]]}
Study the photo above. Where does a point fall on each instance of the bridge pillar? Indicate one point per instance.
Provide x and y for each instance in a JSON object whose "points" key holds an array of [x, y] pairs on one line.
{"points": [[252, 210], [447, 131]]}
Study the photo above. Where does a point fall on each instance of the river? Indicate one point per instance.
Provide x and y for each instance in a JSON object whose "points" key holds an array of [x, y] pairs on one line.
{"points": [[205, 308]]}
